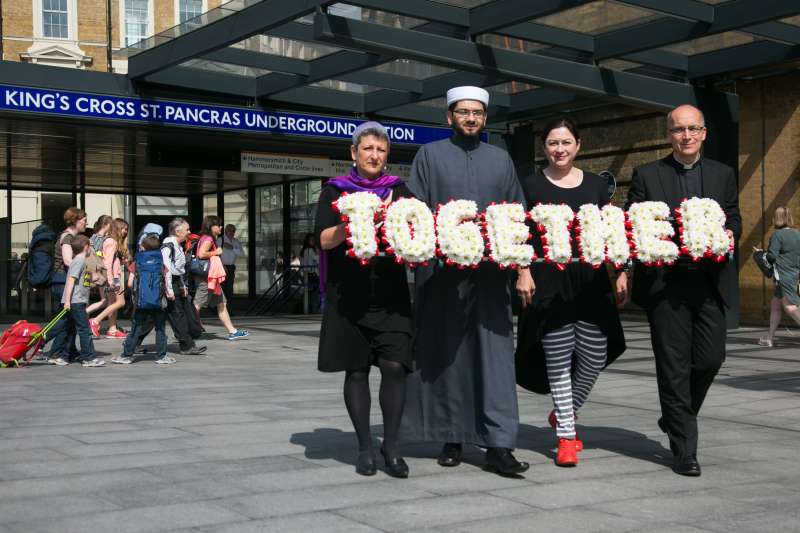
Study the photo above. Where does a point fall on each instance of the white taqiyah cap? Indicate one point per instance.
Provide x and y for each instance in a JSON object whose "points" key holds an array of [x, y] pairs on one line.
{"points": [[467, 92]]}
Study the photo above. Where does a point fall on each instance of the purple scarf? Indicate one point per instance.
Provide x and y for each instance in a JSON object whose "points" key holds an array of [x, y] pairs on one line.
{"points": [[351, 183]]}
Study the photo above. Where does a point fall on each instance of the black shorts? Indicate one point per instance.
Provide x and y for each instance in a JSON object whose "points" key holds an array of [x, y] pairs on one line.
{"points": [[392, 346]]}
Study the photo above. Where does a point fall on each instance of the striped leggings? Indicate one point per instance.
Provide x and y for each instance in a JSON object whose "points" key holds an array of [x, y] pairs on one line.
{"points": [[571, 386]]}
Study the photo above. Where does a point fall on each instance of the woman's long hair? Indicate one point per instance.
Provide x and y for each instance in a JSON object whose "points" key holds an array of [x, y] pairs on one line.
{"points": [[208, 221], [122, 242]]}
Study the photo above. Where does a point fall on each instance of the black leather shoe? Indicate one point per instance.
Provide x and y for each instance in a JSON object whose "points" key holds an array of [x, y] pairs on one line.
{"points": [[395, 465], [451, 454], [366, 464], [196, 350], [503, 462], [661, 425], [686, 466]]}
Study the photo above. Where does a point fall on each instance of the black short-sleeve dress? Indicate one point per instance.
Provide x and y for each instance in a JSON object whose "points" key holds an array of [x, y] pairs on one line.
{"points": [[362, 302], [578, 293]]}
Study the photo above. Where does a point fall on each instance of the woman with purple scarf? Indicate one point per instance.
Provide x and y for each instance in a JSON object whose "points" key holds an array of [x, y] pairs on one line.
{"points": [[367, 316]]}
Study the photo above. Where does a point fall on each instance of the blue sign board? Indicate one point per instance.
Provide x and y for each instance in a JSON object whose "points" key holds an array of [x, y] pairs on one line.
{"points": [[162, 112]]}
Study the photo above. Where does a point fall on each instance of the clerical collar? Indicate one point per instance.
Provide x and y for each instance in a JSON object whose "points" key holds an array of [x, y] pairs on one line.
{"points": [[466, 143], [683, 165]]}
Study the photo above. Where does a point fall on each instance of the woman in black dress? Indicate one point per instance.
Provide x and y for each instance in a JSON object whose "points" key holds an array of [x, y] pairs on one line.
{"points": [[367, 317], [571, 329]]}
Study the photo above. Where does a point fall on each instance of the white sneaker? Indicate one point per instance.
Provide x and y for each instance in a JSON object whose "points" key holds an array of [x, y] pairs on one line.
{"points": [[60, 361], [119, 360], [166, 360], [94, 362]]}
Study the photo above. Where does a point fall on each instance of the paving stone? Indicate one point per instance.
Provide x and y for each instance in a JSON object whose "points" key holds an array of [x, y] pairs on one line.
{"points": [[317, 522], [14, 509], [578, 492], [572, 520], [433, 512]]}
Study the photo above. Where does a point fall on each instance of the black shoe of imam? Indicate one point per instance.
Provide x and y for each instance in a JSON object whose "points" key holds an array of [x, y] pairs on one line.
{"points": [[196, 350], [686, 466], [503, 462], [451, 454]]}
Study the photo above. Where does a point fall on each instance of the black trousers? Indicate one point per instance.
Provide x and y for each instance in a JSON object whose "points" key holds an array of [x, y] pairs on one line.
{"points": [[687, 327], [227, 285], [182, 316]]}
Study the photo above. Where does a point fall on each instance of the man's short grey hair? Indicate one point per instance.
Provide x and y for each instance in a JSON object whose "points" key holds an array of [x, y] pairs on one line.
{"points": [[370, 128], [230, 227], [176, 223]]}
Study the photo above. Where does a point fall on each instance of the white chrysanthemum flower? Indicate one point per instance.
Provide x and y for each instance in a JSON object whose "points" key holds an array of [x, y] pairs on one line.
{"points": [[508, 235], [555, 220], [460, 238], [358, 211], [651, 233], [702, 229], [602, 235], [409, 230]]}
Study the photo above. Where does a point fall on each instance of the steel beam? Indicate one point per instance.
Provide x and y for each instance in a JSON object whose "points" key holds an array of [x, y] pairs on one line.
{"points": [[738, 58], [421, 9], [776, 31], [256, 18], [250, 58], [529, 67], [664, 31], [205, 80]]}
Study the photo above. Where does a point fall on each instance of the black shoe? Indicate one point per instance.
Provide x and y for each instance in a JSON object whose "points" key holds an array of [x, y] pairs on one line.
{"points": [[686, 466], [661, 425], [196, 350], [503, 462], [395, 466], [365, 465], [451, 454]]}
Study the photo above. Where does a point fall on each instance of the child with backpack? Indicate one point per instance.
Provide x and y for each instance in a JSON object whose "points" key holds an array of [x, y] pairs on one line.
{"points": [[149, 294], [76, 299], [111, 244]]}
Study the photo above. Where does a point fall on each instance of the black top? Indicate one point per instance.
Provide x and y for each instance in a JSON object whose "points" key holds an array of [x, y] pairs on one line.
{"points": [[375, 296], [691, 178], [578, 293]]}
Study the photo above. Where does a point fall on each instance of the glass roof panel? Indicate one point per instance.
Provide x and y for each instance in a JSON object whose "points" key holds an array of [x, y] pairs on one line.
{"points": [[382, 18], [511, 87], [597, 17], [794, 21], [268, 44], [345, 86], [464, 3], [710, 43], [225, 68], [411, 69], [618, 64]]}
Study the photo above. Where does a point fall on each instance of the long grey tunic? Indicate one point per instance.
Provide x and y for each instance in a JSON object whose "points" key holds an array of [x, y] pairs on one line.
{"points": [[464, 387]]}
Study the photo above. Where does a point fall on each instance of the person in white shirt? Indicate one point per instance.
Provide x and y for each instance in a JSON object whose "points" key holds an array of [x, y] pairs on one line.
{"points": [[231, 249]]}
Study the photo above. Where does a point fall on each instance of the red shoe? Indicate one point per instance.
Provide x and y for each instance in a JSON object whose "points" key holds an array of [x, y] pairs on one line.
{"points": [[95, 326], [567, 452], [116, 334], [551, 419]]}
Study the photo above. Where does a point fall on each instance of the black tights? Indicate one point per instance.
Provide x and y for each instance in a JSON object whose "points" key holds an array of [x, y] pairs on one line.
{"points": [[392, 397]]}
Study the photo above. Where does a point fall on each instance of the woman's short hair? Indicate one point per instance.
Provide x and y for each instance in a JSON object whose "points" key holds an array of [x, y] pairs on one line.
{"points": [[561, 122], [782, 218], [176, 223], [72, 215], [104, 220], [373, 128], [208, 221]]}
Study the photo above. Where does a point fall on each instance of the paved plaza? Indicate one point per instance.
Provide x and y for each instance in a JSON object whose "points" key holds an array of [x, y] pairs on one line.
{"points": [[252, 438]]}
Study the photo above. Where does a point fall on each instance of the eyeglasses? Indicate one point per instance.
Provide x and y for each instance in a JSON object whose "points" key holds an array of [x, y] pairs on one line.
{"points": [[693, 131], [464, 113]]}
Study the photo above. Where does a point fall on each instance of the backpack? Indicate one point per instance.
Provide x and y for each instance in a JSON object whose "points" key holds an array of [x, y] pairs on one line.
{"points": [[195, 265], [94, 270], [41, 257], [149, 280], [96, 242]]}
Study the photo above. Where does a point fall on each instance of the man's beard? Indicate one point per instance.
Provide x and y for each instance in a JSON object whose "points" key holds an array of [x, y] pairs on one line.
{"points": [[459, 130]]}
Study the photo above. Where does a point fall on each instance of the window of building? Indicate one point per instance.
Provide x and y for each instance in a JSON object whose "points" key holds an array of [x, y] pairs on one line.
{"points": [[137, 21], [188, 9], [55, 19], [236, 213]]}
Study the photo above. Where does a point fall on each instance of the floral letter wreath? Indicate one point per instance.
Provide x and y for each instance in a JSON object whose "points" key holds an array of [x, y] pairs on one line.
{"points": [[554, 222], [408, 229], [701, 224], [602, 236], [507, 232], [459, 237], [358, 211], [651, 232]]}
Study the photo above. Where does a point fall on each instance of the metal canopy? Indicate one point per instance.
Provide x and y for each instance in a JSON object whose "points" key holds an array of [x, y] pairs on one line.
{"points": [[383, 58]]}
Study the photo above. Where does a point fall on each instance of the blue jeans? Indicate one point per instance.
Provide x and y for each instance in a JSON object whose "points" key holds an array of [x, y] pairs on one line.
{"points": [[140, 325], [78, 325], [63, 344]]}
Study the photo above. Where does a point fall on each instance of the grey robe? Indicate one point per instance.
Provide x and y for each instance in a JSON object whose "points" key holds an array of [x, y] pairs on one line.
{"points": [[464, 387]]}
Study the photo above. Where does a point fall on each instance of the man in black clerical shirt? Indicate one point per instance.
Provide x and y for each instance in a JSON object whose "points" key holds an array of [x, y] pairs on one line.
{"points": [[685, 303]]}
